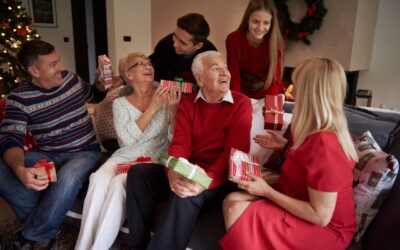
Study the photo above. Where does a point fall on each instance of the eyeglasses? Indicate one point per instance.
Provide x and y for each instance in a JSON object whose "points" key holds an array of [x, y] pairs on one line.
{"points": [[141, 63]]}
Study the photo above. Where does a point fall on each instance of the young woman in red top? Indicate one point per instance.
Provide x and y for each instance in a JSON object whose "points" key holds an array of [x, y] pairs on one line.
{"points": [[312, 206], [255, 51]]}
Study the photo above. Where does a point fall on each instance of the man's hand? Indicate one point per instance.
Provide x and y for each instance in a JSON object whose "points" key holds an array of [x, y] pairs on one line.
{"points": [[182, 186], [27, 177]]}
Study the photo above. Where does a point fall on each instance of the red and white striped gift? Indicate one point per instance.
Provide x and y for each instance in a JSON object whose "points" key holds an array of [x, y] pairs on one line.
{"points": [[186, 87], [241, 163], [124, 167]]}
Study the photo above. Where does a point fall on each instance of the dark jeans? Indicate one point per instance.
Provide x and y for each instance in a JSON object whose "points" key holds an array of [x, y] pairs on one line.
{"points": [[147, 186]]}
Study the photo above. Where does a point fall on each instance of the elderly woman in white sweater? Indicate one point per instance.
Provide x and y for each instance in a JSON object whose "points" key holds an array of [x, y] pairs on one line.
{"points": [[141, 120]]}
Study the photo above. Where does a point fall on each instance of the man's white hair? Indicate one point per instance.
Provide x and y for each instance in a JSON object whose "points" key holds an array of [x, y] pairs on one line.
{"points": [[197, 65]]}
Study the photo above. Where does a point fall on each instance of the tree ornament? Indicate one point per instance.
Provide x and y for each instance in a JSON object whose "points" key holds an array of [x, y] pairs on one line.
{"points": [[307, 26], [22, 31]]}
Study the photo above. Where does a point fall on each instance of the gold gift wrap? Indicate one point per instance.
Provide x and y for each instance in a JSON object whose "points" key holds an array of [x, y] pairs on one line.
{"points": [[45, 170]]}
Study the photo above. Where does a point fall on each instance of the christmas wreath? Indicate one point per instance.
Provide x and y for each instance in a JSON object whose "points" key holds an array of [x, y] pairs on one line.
{"points": [[310, 23]]}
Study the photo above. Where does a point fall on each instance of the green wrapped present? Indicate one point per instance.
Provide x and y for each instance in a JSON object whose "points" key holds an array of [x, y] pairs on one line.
{"points": [[186, 169]]}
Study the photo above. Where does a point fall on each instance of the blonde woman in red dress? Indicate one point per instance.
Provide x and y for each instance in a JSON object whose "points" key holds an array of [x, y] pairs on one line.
{"points": [[312, 206]]}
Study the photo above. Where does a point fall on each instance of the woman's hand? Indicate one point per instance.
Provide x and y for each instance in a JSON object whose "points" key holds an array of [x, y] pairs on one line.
{"points": [[160, 97], [270, 140], [257, 186], [174, 97]]}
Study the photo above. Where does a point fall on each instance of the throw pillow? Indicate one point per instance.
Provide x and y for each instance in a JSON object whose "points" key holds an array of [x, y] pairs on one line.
{"points": [[374, 176], [103, 118]]}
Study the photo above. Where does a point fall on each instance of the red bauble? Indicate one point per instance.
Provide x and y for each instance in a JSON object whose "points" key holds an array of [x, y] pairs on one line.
{"points": [[22, 32]]}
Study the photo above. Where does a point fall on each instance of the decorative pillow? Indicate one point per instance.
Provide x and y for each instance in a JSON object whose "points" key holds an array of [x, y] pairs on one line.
{"points": [[257, 127], [103, 118], [374, 176]]}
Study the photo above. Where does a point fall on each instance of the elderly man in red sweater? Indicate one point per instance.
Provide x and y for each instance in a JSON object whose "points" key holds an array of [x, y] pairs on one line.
{"points": [[208, 125]]}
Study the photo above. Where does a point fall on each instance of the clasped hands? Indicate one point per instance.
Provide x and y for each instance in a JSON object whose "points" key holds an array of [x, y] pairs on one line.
{"points": [[182, 186]]}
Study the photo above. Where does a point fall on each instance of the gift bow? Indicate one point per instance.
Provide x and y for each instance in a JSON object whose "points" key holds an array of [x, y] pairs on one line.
{"points": [[274, 110], [184, 161], [47, 166]]}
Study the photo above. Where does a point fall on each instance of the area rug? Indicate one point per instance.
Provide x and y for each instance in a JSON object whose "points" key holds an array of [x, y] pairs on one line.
{"points": [[65, 239]]}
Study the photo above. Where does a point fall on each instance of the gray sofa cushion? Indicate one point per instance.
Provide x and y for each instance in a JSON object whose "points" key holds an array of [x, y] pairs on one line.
{"points": [[382, 125]]}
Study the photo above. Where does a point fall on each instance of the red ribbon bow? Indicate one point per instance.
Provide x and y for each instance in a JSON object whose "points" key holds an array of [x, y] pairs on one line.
{"points": [[47, 166]]}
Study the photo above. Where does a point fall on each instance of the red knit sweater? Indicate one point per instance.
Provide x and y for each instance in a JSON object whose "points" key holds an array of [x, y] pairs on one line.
{"points": [[245, 59], [205, 133]]}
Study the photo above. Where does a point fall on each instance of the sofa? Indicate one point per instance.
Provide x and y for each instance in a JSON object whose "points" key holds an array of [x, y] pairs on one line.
{"points": [[381, 233], [384, 126]]}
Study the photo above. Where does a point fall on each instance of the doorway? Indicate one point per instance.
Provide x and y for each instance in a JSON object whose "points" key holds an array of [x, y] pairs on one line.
{"points": [[89, 22]]}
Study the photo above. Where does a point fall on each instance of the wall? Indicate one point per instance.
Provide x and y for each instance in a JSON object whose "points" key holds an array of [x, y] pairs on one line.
{"points": [[128, 18], [56, 35], [383, 77]]}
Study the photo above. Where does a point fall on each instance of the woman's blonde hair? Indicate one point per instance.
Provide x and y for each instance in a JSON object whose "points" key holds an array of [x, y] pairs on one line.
{"points": [[276, 43], [320, 89]]}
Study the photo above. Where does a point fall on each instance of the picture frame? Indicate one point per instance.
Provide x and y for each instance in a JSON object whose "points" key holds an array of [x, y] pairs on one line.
{"points": [[43, 13]]}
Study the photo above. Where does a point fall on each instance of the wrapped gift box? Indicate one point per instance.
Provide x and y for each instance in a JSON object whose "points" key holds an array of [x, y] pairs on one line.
{"points": [[186, 169], [124, 167], [185, 87], [105, 71], [273, 113], [45, 170], [241, 163]]}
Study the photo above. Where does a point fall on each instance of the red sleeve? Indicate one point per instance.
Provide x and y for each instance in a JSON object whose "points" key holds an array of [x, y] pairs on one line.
{"points": [[327, 167], [233, 62], [181, 142], [238, 136]]}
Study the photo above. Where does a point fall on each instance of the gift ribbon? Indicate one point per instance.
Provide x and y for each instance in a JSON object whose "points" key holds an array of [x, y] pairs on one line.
{"points": [[168, 160], [275, 110], [44, 163]]}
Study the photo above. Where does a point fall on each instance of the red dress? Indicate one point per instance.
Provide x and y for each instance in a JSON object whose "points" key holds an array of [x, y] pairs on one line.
{"points": [[320, 164]]}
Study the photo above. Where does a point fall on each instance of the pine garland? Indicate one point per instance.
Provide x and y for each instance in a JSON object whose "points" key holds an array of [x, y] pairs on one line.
{"points": [[308, 25]]}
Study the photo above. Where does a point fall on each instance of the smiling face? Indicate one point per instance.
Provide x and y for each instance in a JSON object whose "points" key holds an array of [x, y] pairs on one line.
{"points": [[259, 25], [46, 70], [215, 78], [138, 70], [183, 42]]}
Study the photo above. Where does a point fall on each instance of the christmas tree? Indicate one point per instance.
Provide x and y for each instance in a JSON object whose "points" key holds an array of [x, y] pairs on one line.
{"points": [[15, 29]]}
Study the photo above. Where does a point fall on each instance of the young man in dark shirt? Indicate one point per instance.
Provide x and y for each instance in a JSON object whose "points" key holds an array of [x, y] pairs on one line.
{"points": [[173, 55]]}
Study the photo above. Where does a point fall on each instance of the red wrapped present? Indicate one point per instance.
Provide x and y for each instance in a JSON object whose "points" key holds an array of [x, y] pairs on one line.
{"points": [[185, 87], [273, 114], [105, 71], [241, 163], [124, 167], [45, 170]]}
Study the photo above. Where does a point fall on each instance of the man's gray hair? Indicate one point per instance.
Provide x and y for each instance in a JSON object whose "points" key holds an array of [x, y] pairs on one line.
{"points": [[197, 65]]}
